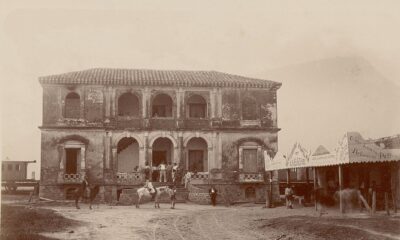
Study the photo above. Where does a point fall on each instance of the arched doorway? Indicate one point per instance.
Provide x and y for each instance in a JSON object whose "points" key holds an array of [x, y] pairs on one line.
{"points": [[127, 155], [197, 153], [162, 152]]}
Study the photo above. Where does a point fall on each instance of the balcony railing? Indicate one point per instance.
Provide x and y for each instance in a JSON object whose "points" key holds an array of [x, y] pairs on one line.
{"points": [[251, 177], [72, 178], [130, 178], [199, 178]]}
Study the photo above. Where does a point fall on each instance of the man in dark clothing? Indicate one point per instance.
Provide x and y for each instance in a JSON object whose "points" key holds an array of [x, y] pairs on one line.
{"points": [[213, 195]]}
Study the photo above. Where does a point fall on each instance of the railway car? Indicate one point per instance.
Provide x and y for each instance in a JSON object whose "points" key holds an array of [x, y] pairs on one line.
{"points": [[14, 175]]}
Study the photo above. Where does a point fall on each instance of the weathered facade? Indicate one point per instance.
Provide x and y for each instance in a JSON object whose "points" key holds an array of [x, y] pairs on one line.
{"points": [[110, 123]]}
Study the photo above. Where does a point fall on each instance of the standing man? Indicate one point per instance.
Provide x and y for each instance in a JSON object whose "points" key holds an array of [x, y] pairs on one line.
{"points": [[187, 177], [289, 196], [169, 172], [162, 168], [173, 197], [213, 195], [174, 172]]}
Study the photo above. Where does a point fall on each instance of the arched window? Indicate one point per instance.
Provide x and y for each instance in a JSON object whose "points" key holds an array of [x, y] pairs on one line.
{"points": [[162, 106], [197, 107], [249, 109], [128, 105], [72, 105]]}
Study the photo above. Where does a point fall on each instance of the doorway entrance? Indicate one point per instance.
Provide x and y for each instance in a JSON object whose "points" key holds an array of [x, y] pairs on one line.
{"points": [[162, 153]]}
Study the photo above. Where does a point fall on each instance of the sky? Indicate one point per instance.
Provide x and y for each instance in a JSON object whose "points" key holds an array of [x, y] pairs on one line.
{"points": [[250, 38]]}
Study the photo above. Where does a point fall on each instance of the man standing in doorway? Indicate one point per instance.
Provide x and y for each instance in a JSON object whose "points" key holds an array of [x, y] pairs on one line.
{"points": [[162, 168]]}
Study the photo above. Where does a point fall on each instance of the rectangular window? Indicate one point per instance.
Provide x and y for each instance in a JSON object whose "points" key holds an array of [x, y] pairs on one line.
{"points": [[250, 160], [9, 167], [17, 167], [71, 164], [197, 111], [196, 161]]}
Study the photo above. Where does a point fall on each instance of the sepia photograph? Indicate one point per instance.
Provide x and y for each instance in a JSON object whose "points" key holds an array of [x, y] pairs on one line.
{"points": [[192, 120]]}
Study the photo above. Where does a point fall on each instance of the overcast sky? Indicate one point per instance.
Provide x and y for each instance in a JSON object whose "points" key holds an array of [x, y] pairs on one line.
{"points": [[249, 38]]}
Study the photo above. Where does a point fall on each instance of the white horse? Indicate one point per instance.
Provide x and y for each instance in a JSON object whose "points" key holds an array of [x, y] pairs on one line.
{"points": [[144, 191]]}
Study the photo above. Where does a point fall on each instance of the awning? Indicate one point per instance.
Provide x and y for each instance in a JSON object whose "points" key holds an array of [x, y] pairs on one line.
{"points": [[352, 148], [277, 163], [322, 157], [355, 149]]}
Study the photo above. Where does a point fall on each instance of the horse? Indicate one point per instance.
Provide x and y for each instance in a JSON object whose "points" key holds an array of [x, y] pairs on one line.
{"points": [[144, 191], [351, 198], [79, 193]]}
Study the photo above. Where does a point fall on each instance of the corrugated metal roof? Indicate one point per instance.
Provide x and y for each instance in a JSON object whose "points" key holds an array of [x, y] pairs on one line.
{"points": [[147, 77]]}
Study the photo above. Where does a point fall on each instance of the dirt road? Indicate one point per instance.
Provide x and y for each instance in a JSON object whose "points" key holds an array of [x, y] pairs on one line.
{"points": [[189, 221]]}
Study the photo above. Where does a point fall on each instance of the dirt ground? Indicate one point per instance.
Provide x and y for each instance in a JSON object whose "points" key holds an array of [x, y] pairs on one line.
{"points": [[190, 221]]}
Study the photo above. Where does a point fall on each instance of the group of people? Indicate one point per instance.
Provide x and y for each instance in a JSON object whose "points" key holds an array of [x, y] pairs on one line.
{"points": [[162, 173]]}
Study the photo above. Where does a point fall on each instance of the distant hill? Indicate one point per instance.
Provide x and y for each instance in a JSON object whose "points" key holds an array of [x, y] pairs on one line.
{"points": [[320, 100]]}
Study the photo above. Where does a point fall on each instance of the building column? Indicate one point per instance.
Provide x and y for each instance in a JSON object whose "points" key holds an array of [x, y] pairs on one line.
{"points": [[145, 99], [209, 158], [219, 152], [83, 158], [146, 148], [114, 159], [112, 103], [180, 148], [61, 154], [107, 147], [219, 103], [213, 102], [107, 100], [178, 103]]}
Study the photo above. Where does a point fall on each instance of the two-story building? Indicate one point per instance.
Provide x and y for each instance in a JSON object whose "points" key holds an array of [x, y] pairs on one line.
{"points": [[110, 123]]}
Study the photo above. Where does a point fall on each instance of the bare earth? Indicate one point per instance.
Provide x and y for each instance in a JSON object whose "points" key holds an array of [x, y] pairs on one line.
{"points": [[189, 221]]}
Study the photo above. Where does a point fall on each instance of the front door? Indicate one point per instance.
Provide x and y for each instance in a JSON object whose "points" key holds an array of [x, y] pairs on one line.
{"points": [[250, 160]]}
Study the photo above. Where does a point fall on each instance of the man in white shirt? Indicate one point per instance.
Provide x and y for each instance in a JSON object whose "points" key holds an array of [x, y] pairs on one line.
{"points": [[163, 169], [174, 171]]}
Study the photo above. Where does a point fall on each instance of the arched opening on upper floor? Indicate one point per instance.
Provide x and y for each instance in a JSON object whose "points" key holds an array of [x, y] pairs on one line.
{"points": [[162, 106], [128, 105], [197, 107]]}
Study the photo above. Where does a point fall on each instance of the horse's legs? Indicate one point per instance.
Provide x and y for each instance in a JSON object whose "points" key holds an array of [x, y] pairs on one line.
{"points": [[77, 201], [138, 201]]}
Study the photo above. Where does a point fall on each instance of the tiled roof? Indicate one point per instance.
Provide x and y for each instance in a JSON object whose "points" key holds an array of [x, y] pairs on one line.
{"points": [[146, 77]]}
